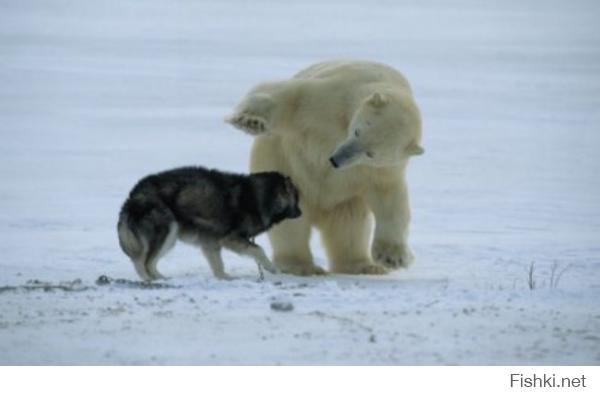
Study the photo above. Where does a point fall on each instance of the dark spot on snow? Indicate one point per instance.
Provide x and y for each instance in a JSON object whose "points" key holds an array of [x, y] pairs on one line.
{"points": [[104, 280], [37, 285], [282, 306], [77, 285]]}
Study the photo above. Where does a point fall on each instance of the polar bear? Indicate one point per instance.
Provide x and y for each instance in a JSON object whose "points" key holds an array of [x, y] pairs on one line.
{"points": [[344, 132]]}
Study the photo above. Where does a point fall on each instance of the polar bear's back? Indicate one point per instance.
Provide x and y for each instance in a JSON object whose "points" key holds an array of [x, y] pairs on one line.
{"points": [[355, 71]]}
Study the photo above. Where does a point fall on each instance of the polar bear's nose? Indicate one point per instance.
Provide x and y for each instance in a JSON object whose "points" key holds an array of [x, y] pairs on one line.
{"points": [[332, 160]]}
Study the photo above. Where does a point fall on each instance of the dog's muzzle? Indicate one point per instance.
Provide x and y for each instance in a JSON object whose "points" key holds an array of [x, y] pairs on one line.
{"points": [[295, 213]]}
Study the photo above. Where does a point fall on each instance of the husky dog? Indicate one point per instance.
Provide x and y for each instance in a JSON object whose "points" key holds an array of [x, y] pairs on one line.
{"points": [[207, 208]]}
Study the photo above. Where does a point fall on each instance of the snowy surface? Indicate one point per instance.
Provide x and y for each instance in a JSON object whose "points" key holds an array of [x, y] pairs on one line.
{"points": [[95, 95]]}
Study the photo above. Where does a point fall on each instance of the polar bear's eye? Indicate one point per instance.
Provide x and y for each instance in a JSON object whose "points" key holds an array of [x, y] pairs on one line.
{"points": [[369, 154], [356, 132]]}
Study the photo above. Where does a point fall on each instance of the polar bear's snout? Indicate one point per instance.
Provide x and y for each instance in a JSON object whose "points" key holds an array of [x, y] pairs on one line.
{"points": [[348, 153]]}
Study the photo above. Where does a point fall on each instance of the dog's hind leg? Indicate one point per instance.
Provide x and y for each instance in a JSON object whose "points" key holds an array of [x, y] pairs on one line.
{"points": [[246, 248], [212, 252]]}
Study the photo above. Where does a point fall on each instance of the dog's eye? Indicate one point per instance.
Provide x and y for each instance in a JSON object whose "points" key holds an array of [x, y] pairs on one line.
{"points": [[369, 154]]}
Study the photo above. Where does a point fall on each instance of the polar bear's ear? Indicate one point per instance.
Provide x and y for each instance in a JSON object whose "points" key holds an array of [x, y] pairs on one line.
{"points": [[377, 100], [415, 149]]}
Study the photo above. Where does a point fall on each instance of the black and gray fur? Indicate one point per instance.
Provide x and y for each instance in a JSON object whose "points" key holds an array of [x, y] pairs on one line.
{"points": [[208, 208]]}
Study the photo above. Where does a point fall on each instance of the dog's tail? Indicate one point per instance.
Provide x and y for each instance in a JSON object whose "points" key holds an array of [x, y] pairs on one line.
{"points": [[146, 226]]}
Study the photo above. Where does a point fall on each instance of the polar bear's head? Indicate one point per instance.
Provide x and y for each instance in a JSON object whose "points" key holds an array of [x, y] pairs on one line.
{"points": [[385, 130]]}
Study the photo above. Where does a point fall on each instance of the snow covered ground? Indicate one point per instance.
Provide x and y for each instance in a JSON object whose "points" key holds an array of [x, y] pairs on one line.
{"points": [[95, 95]]}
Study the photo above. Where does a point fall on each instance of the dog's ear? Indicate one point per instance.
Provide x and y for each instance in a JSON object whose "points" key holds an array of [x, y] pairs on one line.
{"points": [[288, 183], [290, 187]]}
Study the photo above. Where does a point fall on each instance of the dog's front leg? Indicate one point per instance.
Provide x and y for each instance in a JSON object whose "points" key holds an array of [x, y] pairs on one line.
{"points": [[244, 247], [261, 274], [213, 256]]}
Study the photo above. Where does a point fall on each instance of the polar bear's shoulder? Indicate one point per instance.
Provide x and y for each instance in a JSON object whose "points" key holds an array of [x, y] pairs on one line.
{"points": [[353, 70]]}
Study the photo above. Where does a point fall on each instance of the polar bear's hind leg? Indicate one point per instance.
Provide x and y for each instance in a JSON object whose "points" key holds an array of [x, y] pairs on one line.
{"points": [[291, 247], [253, 114], [345, 233]]}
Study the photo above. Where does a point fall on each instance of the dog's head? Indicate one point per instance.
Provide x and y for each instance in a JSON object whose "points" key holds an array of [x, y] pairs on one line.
{"points": [[279, 196], [288, 199]]}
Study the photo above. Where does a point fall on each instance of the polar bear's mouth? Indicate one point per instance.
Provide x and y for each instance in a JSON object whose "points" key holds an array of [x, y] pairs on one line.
{"points": [[333, 163], [349, 153]]}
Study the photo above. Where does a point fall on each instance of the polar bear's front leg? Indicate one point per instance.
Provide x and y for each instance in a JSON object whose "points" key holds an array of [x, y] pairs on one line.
{"points": [[391, 208]]}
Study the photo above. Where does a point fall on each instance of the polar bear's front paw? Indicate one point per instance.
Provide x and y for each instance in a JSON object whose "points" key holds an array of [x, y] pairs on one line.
{"points": [[252, 124], [373, 269], [299, 268], [391, 254], [359, 267]]}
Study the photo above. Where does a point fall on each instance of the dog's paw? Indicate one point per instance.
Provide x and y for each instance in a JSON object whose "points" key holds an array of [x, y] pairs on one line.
{"points": [[225, 277], [157, 276], [270, 267], [391, 255], [251, 124]]}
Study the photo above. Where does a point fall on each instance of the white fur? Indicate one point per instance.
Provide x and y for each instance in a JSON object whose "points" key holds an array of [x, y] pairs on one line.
{"points": [[135, 248], [301, 123], [164, 249], [140, 268]]}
